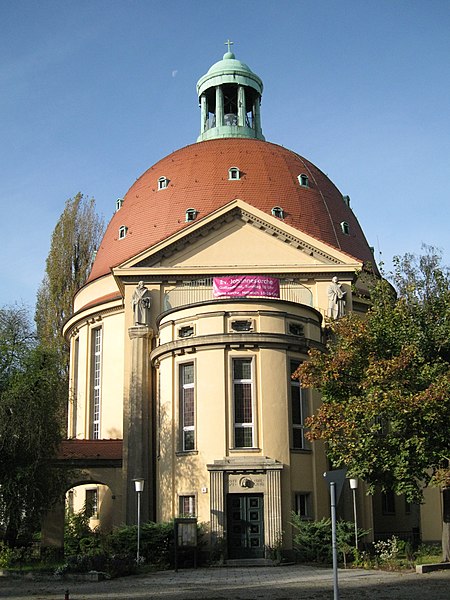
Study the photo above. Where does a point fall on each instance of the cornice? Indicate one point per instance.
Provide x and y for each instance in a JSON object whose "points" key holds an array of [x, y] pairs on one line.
{"points": [[235, 341]]}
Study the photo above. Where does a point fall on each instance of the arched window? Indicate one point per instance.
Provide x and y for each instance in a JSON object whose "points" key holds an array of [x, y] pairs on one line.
{"points": [[191, 214], [303, 180], [278, 212], [345, 228], [163, 182], [234, 173], [122, 231]]}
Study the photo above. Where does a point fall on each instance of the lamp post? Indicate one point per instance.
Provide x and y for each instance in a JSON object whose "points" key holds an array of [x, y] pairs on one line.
{"points": [[354, 487], [139, 487]]}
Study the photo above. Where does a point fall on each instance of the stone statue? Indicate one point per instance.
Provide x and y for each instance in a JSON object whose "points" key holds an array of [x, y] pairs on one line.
{"points": [[141, 303], [336, 299]]}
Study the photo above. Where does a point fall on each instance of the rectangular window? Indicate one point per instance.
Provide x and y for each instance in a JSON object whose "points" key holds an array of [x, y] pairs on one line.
{"points": [[187, 406], [388, 503], [70, 502], [303, 505], [74, 391], [92, 503], [243, 403], [96, 382], [187, 506], [299, 412]]}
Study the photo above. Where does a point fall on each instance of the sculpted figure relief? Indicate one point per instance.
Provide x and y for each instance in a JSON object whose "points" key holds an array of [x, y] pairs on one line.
{"points": [[141, 303], [336, 299]]}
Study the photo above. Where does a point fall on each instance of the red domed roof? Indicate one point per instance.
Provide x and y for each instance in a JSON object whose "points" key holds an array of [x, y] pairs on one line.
{"points": [[198, 178]]}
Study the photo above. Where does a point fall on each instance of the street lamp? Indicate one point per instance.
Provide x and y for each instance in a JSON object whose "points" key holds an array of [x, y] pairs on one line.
{"points": [[354, 487], [139, 487]]}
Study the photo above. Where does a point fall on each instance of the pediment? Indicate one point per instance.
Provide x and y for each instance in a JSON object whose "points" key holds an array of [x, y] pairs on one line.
{"points": [[239, 235]]}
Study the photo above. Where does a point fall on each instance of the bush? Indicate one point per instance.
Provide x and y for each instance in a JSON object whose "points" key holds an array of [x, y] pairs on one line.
{"points": [[312, 542], [156, 543]]}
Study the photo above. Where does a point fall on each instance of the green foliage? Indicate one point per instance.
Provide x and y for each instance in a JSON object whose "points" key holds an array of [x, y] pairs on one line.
{"points": [[114, 553], [312, 540], [75, 238], [385, 383], [31, 424], [156, 542], [76, 530]]}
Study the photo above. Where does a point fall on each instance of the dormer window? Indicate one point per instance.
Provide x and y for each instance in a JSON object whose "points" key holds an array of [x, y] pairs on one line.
{"points": [[303, 180], [191, 214], [119, 203], [234, 173], [123, 232], [346, 200], [345, 228], [163, 182], [278, 212]]}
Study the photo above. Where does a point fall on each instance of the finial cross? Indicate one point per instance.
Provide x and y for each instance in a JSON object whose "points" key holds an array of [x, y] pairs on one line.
{"points": [[229, 44]]}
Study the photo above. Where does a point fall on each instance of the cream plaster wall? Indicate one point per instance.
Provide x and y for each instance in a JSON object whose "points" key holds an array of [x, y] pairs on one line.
{"points": [[95, 290], [239, 243], [431, 515]]}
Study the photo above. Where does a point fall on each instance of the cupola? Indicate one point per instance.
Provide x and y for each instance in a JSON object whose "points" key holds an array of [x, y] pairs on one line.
{"points": [[230, 97]]}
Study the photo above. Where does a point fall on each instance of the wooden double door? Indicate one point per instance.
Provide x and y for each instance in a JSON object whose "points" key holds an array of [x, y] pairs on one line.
{"points": [[245, 520]]}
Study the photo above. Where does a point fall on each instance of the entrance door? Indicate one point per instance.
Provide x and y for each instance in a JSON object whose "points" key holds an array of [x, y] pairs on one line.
{"points": [[245, 525]]}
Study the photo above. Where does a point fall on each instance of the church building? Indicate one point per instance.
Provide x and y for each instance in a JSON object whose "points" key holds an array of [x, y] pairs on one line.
{"points": [[218, 271]]}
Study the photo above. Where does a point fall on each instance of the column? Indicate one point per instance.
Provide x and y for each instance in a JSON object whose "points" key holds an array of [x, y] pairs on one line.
{"points": [[272, 508], [257, 115], [242, 111], [219, 106], [137, 448], [217, 505], [204, 113]]}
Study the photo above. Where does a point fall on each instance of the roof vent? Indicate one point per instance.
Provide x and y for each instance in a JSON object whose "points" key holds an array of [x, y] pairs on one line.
{"points": [[191, 214], [163, 183], [234, 173], [345, 228], [303, 180], [278, 212]]}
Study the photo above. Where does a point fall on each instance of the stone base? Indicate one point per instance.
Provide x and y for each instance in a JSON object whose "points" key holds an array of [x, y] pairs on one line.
{"points": [[433, 567]]}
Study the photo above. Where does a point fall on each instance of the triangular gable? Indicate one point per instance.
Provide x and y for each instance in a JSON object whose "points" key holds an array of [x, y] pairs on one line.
{"points": [[238, 234]]}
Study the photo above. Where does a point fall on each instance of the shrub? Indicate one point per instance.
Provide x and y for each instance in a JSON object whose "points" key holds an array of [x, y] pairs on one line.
{"points": [[156, 542], [312, 541]]}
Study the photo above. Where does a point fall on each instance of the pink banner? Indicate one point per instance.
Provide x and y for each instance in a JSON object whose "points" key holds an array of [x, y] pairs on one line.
{"points": [[241, 286]]}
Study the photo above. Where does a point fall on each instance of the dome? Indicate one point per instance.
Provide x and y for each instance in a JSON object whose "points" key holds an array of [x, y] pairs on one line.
{"points": [[197, 177]]}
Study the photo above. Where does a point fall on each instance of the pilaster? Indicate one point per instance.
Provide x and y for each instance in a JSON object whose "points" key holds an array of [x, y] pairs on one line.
{"points": [[137, 447]]}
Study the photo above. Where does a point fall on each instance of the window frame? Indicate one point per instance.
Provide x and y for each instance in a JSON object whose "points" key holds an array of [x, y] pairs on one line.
{"points": [[163, 183], [302, 410], [123, 230], [303, 180], [388, 503], [192, 505], [190, 215], [92, 506], [234, 174], [303, 505], [96, 383], [184, 429], [277, 212], [345, 227], [243, 425]]}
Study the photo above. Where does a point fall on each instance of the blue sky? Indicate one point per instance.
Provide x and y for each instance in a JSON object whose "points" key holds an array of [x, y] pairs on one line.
{"points": [[93, 92]]}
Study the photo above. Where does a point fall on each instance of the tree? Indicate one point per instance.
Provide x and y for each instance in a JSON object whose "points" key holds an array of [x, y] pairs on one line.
{"points": [[385, 385], [75, 239], [32, 403]]}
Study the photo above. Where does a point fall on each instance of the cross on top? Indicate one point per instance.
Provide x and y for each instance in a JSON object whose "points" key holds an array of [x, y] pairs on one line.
{"points": [[229, 44]]}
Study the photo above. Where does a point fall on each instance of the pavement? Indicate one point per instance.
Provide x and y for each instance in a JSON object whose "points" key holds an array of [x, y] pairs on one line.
{"points": [[298, 582]]}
